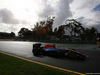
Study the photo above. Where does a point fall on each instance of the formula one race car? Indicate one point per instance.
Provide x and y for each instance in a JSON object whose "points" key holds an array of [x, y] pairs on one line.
{"points": [[51, 50]]}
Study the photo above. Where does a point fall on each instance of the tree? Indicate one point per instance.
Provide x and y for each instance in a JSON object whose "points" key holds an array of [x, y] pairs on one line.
{"points": [[55, 32], [44, 27], [25, 33], [5, 35], [12, 34], [73, 28], [60, 32], [89, 34]]}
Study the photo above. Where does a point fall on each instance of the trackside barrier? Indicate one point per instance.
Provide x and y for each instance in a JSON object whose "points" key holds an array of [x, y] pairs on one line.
{"points": [[98, 43], [63, 42]]}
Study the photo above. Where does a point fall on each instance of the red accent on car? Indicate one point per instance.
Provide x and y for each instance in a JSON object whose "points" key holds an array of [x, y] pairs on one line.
{"points": [[49, 46]]}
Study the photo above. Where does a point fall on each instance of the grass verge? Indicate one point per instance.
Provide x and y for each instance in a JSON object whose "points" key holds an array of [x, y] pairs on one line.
{"points": [[13, 66]]}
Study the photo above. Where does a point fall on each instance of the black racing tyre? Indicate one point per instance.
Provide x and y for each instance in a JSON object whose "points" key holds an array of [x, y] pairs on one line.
{"points": [[35, 52], [36, 49], [72, 55]]}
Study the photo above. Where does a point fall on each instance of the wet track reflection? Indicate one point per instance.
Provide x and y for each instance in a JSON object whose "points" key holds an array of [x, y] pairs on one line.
{"points": [[90, 65]]}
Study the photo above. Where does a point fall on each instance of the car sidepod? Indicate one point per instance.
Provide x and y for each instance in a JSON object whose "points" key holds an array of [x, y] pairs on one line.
{"points": [[51, 51]]}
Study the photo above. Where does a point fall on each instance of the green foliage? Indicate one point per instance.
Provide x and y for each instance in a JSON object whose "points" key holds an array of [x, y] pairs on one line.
{"points": [[89, 34], [12, 34], [60, 32], [72, 29], [5, 35], [43, 27], [24, 32]]}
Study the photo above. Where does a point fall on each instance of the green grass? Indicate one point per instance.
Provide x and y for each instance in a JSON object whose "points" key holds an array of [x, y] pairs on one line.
{"points": [[13, 66]]}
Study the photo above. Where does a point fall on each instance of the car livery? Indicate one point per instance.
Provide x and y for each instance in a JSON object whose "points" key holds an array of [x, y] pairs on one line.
{"points": [[51, 50]]}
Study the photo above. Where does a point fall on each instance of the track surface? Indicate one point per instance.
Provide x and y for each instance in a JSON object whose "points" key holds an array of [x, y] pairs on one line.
{"points": [[90, 65]]}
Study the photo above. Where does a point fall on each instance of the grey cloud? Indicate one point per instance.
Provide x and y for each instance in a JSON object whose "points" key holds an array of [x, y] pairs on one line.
{"points": [[47, 11], [8, 17], [88, 3], [61, 11], [88, 23]]}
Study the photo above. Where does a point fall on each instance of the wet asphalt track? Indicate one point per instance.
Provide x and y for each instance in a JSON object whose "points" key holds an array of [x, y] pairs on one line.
{"points": [[90, 65]]}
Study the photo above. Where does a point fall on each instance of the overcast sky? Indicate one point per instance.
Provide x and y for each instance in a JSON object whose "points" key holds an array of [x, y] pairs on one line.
{"points": [[15, 14]]}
